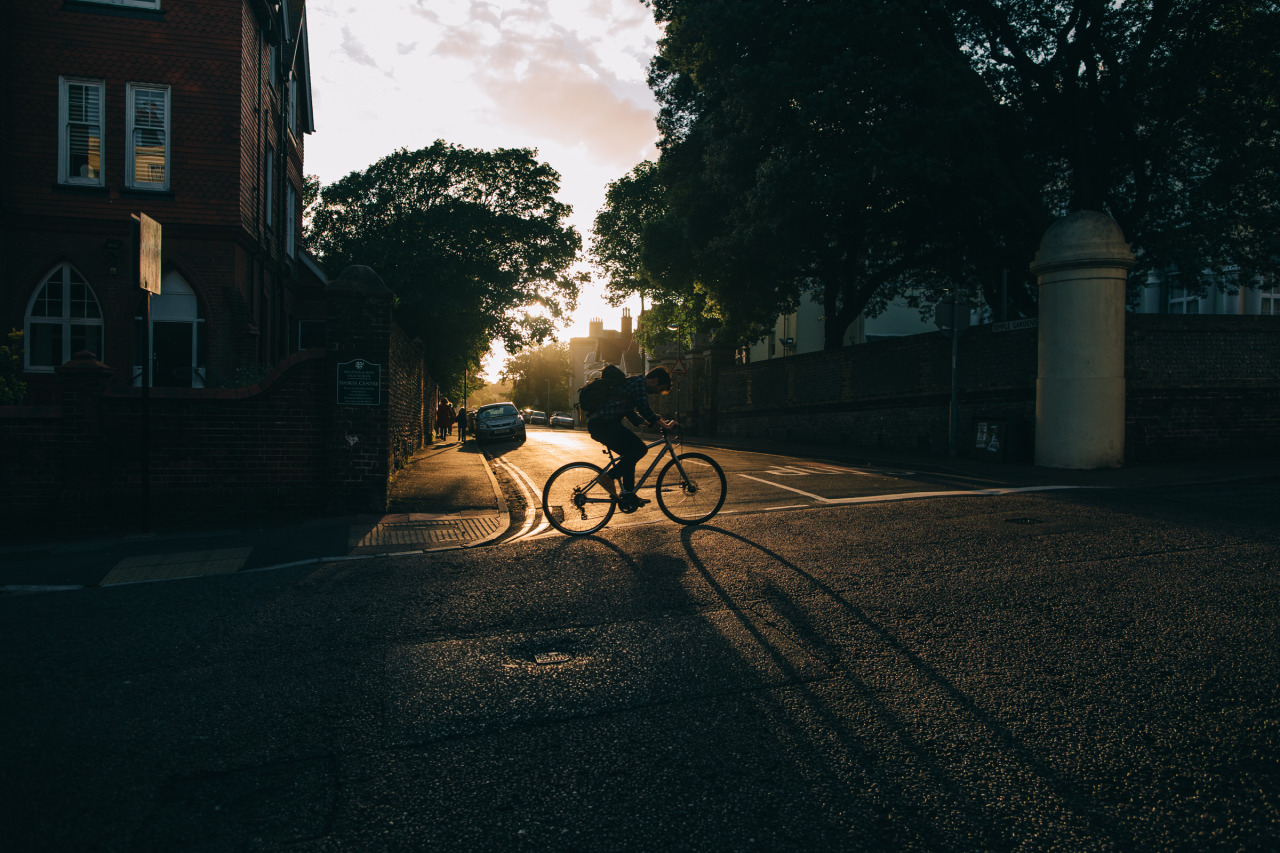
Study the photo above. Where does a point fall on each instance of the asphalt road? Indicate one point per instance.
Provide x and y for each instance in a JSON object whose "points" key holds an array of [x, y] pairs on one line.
{"points": [[1074, 670], [757, 482]]}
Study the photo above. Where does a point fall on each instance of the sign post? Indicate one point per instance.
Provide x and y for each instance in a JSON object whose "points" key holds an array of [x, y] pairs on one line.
{"points": [[953, 314], [146, 234]]}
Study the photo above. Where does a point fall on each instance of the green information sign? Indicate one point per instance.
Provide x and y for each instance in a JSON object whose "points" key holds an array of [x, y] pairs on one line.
{"points": [[359, 383]]}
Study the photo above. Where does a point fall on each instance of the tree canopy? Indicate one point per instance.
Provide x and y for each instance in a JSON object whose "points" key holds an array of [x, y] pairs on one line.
{"points": [[473, 243], [858, 150], [540, 377]]}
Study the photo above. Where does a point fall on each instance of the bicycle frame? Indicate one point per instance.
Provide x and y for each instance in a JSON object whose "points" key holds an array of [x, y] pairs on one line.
{"points": [[641, 480]]}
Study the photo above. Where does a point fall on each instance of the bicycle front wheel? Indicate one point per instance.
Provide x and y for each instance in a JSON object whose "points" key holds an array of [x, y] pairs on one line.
{"points": [[691, 488], [574, 502]]}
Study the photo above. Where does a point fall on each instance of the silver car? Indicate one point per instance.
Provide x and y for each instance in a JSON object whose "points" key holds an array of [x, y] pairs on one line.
{"points": [[498, 422], [562, 419]]}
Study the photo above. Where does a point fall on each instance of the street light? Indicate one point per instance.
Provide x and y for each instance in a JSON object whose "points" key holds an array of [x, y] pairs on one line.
{"points": [[679, 362]]}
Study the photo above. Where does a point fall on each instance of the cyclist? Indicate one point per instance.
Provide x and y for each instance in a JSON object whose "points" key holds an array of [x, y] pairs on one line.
{"points": [[630, 401]]}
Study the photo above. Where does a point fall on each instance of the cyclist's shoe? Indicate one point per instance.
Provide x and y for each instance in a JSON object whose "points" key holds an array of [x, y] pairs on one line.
{"points": [[630, 501]]}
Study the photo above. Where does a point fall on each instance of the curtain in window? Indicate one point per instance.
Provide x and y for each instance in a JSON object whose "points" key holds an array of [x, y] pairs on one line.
{"points": [[149, 136]]}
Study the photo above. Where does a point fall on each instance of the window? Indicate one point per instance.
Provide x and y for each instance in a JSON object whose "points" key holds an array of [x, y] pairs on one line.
{"points": [[63, 318], [291, 221], [177, 337], [147, 158], [1181, 301], [80, 131], [1270, 303], [268, 179], [293, 105]]}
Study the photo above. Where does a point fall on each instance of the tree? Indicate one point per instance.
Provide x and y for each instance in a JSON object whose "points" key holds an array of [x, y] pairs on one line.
{"points": [[541, 377], [856, 151], [473, 243], [1162, 113], [825, 149], [629, 245]]}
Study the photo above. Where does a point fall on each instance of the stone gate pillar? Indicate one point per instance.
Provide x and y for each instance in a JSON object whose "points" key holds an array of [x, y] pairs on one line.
{"points": [[358, 330], [1082, 268]]}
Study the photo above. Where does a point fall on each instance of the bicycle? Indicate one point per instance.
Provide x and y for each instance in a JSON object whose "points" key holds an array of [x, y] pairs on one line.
{"points": [[690, 489]]}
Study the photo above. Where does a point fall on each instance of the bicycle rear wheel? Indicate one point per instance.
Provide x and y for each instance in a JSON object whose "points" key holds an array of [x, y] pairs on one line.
{"points": [[696, 494], [574, 502]]}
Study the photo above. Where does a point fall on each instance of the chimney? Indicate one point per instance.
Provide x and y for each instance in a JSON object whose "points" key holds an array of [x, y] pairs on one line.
{"points": [[626, 322], [595, 327]]}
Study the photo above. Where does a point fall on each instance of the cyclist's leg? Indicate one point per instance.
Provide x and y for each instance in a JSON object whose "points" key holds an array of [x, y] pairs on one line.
{"points": [[630, 448]]}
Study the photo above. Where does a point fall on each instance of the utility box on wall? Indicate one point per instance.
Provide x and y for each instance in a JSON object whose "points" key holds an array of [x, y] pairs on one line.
{"points": [[1000, 439]]}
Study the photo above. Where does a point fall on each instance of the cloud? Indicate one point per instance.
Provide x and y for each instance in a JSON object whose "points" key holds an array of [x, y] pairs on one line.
{"points": [[404, 49], [564, 82], [352, 48]]}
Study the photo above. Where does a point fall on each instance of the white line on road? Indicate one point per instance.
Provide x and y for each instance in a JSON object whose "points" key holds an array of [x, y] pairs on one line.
{"points": [[906, 496], [532, 500]]}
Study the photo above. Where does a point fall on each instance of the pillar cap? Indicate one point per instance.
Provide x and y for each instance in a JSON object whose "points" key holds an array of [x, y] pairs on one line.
{"points": [[1085, 238]]}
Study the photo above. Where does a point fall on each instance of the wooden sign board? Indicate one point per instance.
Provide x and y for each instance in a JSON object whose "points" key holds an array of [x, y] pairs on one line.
{"points": [[148, 254]]}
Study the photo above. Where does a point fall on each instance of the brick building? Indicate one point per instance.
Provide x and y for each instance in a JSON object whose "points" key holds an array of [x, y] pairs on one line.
{"points": [[193, 113]]}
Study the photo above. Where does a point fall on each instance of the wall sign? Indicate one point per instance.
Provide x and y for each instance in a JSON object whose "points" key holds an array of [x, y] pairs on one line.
{"points": [[359, 383]]}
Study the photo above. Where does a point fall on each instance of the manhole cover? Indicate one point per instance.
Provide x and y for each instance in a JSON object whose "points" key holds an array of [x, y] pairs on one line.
{"points": [[1023, 520], [552, 657]]}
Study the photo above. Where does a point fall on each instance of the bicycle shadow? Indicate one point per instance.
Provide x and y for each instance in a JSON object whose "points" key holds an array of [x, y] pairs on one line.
{"points": [[783, 613]]}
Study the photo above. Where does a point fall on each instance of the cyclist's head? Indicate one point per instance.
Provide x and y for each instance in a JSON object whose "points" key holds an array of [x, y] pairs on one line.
{"points": [[661, 377]]}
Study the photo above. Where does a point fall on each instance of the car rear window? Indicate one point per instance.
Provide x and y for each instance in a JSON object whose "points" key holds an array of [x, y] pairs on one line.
{"points": [[496, 412]]}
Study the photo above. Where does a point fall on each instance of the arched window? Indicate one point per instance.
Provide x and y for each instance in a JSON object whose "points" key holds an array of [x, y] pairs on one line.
{"points": [[176, 335], [63, 318]]}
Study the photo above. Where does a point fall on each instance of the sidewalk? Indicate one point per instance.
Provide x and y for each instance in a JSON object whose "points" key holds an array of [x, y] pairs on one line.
{"points": [[445, 498]]}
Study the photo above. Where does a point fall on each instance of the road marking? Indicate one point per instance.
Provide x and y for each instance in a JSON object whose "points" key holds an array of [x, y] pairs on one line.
{"points": [[907, 496], [154, 567], [532, 500], [788, 488]]}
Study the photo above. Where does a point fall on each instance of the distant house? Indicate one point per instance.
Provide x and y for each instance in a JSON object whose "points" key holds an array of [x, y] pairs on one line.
{"points": [[601, 346], [1159, 293], [193, 113]]}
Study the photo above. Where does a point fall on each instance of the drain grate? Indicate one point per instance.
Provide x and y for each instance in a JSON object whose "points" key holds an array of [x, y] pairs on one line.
{"points": [[552, 657]]}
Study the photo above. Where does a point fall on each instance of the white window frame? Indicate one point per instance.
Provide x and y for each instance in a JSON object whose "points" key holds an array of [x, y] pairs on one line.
{"points": [[68, 317], [1182, 300], [1269, 300], [64, 131], [291, 223], [131, 179], [133, 4]]}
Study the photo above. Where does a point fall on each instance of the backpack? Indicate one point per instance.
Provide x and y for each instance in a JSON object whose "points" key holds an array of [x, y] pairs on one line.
{"points": [[600, 392]]}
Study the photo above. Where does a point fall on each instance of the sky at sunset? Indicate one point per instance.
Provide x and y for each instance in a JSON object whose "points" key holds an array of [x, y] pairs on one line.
{"points": [[566, 77]]}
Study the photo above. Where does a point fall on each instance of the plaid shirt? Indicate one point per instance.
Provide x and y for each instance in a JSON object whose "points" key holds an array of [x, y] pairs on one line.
{"points": [[631, 397]]}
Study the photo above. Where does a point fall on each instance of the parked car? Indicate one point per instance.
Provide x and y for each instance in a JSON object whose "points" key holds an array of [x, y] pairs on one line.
{"points": [[536, 417], [496, 422], [524, 413], [562, 419]]}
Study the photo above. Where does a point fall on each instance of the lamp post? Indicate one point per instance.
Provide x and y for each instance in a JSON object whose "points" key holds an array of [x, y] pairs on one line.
{"points": [[679, 363]]}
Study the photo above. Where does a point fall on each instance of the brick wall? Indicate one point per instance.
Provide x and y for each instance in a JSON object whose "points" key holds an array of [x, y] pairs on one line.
{"points": [[215, 455], [1203, 386], [892, 393], [407, 390], [282, 448]]}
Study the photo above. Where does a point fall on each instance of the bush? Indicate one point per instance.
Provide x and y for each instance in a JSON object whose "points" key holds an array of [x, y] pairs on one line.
{"points": [[12, 390]]}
